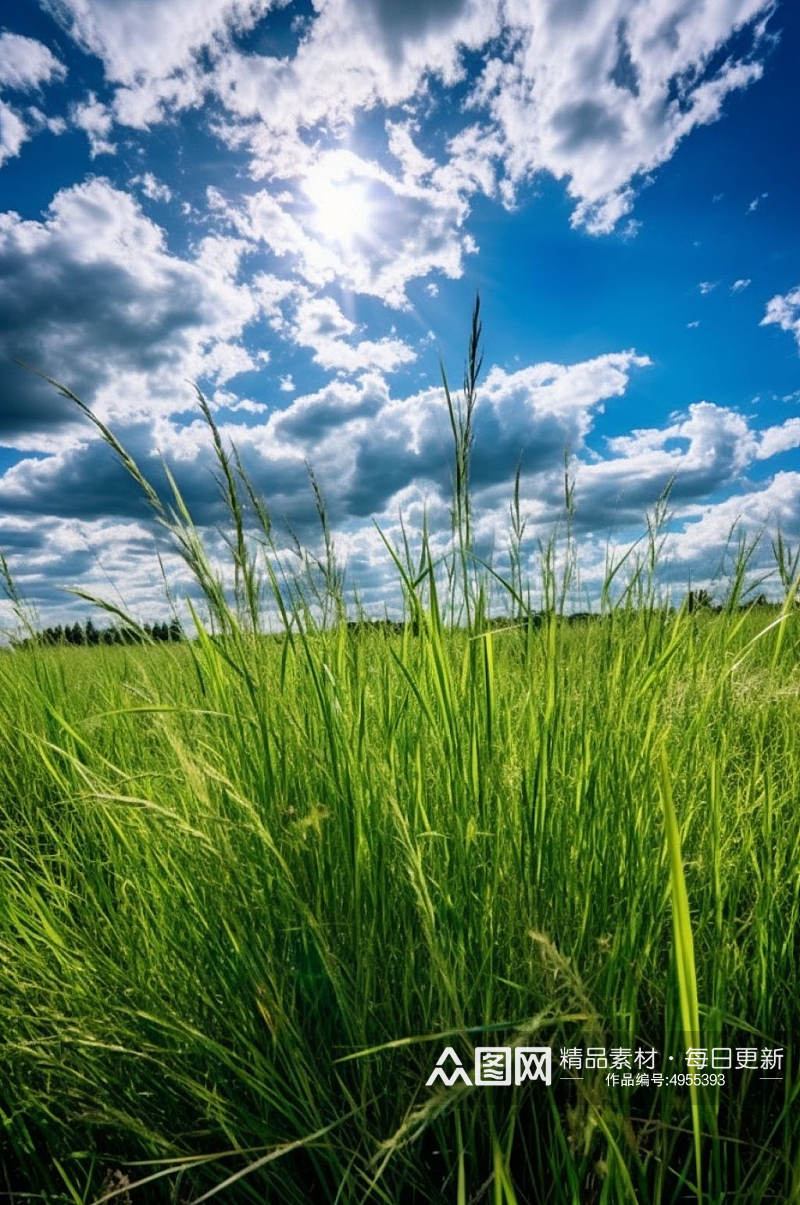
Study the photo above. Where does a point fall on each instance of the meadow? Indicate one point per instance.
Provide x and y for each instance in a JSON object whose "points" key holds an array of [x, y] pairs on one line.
{"points": [[255, 883]]}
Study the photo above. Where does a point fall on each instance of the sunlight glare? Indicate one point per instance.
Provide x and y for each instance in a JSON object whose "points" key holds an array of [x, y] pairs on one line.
{"points": [[341, 206]]}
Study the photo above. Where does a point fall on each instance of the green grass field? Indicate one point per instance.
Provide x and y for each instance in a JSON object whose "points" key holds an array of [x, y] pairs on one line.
{"points": [[253, 885]]}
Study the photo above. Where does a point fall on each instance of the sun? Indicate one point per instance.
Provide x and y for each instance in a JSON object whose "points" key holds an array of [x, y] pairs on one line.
{"points": [[341, 204]]}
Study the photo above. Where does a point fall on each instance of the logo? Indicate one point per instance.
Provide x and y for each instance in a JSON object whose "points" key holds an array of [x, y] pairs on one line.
{"points": [[440, 1073], [495, 1066], [532, 1063]]}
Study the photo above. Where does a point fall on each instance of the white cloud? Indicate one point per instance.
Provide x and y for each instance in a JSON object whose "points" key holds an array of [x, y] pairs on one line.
{"points": [[406, 230], [319, 324], [740, 285], [377, 455], [692, 326], [707, 450], [781, 438], [154, 100], [598, 102], [26, 63], [368, 447], [354, 57], [707, 525], [783, 310], [151, 39], [602, 215], [12, 133], [49, 554], [152, 49], [103, 555], [153, 189], [597, 94], [603, 99], [415, 165], [92, 295], [707, 286], [365, 445], [756, 201], [719, 443], [40, 121], [95, 119], [287, 384]]}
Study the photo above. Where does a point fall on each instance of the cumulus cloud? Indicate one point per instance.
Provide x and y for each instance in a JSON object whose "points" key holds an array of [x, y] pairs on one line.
{"points": [[319, 324], [13, 133], [103, 557], [91, 295], [600, 94], [597, 94], [712, 446], [367, 142], [37, 120], [26, 63], [781, 438], [152, 188], [704, 535], [783, 310], [376, 454], [354, 57], [405, 229], [598, 101], [152, 50], [152, 38], [366, 446], [94, 118]]}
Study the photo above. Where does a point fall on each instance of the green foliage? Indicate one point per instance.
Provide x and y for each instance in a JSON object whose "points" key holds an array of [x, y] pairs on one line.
{"points": [[88, 634], [254, 884]]}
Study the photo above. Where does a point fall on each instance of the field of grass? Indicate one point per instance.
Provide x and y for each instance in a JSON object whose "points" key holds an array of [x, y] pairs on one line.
{"points": [[253, 885]]}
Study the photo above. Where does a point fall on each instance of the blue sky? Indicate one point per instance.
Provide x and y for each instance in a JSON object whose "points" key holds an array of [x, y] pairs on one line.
{"points": [[294, 204]]}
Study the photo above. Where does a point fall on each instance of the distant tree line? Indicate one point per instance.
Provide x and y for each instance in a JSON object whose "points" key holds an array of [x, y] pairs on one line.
{"points": [[172, 632], [696, 601], [88, 634]]}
